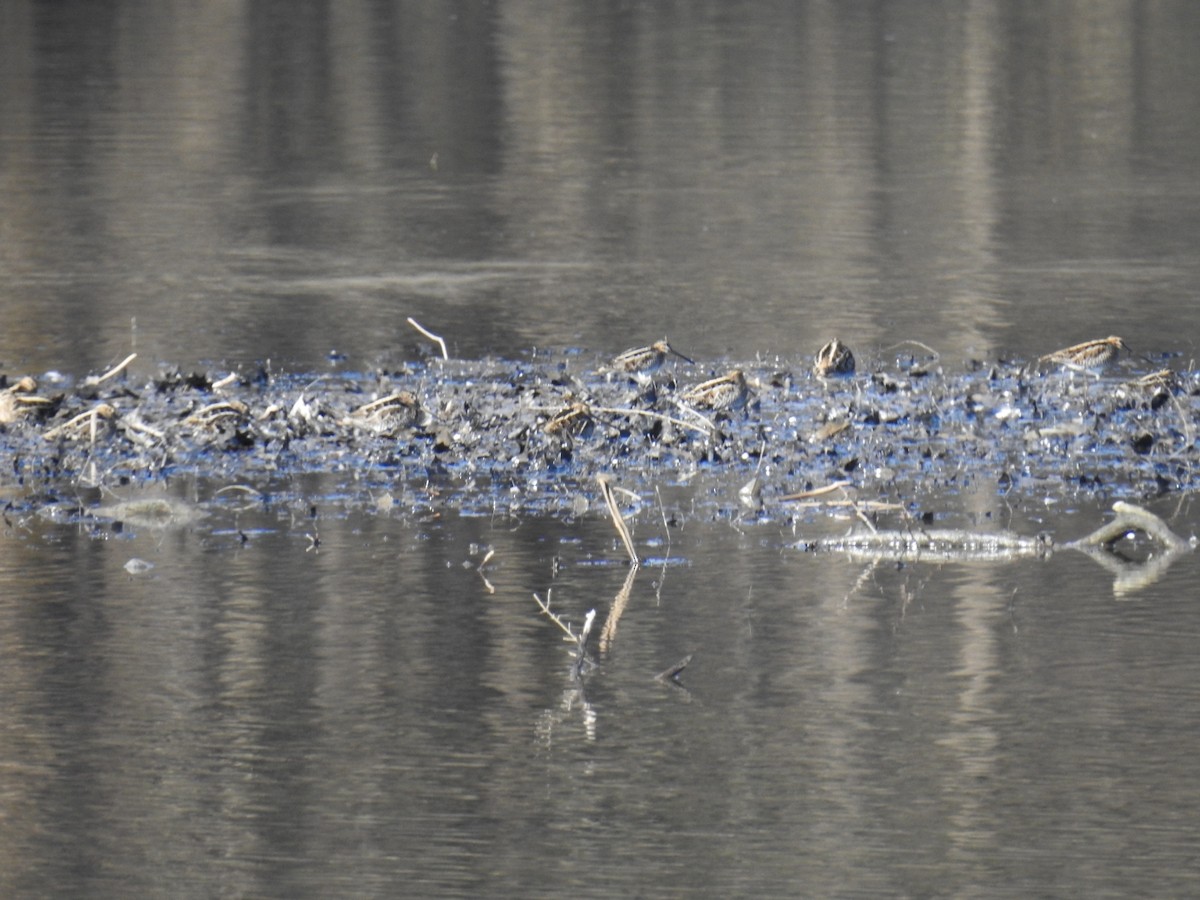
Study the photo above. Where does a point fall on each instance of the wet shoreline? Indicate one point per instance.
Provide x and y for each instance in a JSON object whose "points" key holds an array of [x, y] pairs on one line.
{"points": [[530, 436]]}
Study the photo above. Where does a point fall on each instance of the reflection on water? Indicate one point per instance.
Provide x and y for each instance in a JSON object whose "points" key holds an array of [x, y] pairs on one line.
{"points": [[257, 715], [277, 720]]}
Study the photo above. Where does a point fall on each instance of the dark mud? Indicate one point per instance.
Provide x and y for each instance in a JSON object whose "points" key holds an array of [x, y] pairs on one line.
{"points": [[528, 437]]}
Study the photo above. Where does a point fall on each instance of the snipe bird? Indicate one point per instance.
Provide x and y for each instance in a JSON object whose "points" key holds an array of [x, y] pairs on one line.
{"points": [[641, 362], [730, 391], [1090, 356], [834, 358], [18, 399]]}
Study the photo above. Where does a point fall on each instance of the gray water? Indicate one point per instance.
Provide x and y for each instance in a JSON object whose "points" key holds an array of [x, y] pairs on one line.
{"points": [[347, 705]]}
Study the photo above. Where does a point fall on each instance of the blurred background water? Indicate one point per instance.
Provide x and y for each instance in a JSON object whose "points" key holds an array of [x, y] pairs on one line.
{"points": [[257, 180], [220, 184]]}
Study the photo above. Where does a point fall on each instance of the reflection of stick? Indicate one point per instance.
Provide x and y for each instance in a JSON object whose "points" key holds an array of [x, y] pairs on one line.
{"points": [[622, 599], [1129, 577], [674, 672], [429, 334], [487, 556], [609, 631], [663, 511], [858, 512], [617, 518]]}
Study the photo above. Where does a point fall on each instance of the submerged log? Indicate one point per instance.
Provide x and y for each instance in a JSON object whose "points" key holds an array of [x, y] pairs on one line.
{"points": [[958, 545], [948, 544], [1131, 518]]}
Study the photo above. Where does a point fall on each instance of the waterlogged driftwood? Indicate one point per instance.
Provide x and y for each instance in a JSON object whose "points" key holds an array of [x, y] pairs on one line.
{"points": [[580, 662], [948, 544], [958, 545], [673, 673], [580, 639], [1131, 518], [1131, 575]]}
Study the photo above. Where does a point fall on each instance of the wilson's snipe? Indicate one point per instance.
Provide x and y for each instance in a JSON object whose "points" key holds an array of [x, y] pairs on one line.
{"points": [[575, 419], [644, 361], [18, 398], [1163, 379], [727, 392], [834, 358], [1154, 389], [1087, 357], [398, 410]]}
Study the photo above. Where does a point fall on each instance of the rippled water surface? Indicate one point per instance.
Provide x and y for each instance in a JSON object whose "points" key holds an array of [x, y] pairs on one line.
{"points": [[252, 716], [330, 689]]}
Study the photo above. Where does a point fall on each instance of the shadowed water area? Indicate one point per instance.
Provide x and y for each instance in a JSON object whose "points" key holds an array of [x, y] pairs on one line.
{"points": [[267, 615]]}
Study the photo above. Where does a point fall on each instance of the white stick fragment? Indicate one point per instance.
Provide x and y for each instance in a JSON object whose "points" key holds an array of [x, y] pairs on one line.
{"points": [[429, 334], [115, 370], [587, 626]]}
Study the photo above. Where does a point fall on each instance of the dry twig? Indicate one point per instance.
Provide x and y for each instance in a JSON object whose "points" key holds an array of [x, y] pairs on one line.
{"points": [[101, 411], [557, 620], [618, 520], [114, 371], [429, 334], [706, 428]]}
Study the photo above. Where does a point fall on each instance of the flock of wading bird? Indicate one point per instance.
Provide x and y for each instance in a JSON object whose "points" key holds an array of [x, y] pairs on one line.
{"points": [[729, 392], [833, 359], [734, 391]]}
